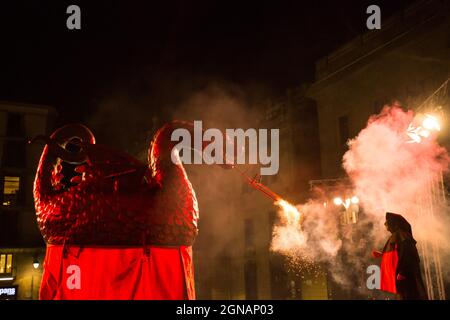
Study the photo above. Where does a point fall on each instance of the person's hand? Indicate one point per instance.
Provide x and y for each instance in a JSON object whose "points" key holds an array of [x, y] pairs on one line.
{"points": [[400, 277], [376, 254]]}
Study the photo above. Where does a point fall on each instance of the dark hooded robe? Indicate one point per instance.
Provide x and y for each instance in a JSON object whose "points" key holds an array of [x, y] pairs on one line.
{"points": [[400, 256]]}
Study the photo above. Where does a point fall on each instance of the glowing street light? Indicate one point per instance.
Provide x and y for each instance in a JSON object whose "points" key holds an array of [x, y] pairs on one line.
{"points": [[431, 123], [338, 201], [35, 263], [350, 214], [355, 200], [347, 202]]}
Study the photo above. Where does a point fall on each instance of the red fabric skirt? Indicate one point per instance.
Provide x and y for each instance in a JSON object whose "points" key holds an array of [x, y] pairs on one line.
{"points": [[114, 273]]}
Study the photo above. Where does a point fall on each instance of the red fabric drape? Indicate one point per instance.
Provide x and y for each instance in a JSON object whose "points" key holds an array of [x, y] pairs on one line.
{"points": [[103, 273], [389, 262]]}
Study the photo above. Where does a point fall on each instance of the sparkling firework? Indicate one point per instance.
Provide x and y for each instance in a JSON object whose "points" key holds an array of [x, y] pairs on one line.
{"points": [[290, 212]]}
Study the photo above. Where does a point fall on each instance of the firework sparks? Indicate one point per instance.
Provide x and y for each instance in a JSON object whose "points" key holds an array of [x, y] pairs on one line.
{"points": [[290, 212]]}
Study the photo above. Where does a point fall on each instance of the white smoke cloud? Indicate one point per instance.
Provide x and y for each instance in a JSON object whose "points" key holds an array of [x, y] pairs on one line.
{"points": [[388, 173]]}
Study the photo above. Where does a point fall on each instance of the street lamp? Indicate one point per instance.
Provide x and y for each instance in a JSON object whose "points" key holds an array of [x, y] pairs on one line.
{"points": [[337, 201], [348, 216], [417, 133], [431, 123], [347, 202], [35, 266], [35, 263]]}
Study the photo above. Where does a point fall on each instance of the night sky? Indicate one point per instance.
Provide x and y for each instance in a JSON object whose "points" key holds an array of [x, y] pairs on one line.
{"points": [[163, 50]]}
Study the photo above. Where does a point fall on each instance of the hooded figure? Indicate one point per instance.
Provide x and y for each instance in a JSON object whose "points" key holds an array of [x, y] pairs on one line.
{"points": [[400, 262]]}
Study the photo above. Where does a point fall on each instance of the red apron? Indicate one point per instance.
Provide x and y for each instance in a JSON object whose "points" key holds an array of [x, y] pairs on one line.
{"points": [[388, 269], [117, 273]]}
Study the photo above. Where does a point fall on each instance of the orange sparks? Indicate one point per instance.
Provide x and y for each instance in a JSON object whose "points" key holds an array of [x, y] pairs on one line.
{"points": [[291, 214]]}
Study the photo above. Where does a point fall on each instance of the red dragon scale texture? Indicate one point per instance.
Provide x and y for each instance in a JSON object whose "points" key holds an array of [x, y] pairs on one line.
{"points": [[90, 194]]}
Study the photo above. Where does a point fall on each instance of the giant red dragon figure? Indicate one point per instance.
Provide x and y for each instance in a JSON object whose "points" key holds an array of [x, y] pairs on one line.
{"points": [[115, 227]]}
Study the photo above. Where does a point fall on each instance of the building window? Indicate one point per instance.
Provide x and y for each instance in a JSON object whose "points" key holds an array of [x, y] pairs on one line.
{"points": [[14, 152], [223, 275], [250, 264], [9, 227], [344, 132], [14, 149], [6, 264], [11, 190], [14, 126], [251, 285], [249, 233]]}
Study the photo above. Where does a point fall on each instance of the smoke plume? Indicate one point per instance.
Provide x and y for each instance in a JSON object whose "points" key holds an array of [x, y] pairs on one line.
{"points": [[388, 171]]}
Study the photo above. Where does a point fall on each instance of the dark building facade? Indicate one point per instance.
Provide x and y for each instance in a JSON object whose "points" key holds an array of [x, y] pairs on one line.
{"points": [[405, 61], [21, 246]]}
